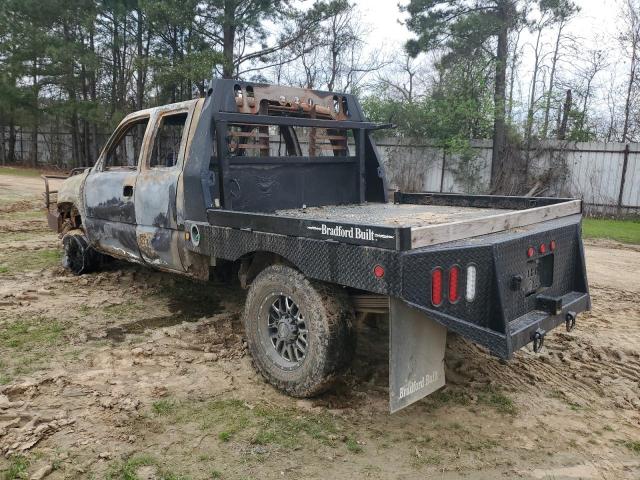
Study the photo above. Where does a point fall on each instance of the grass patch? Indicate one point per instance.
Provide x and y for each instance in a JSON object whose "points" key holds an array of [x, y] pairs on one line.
{"points": [[261, 425], [497, 400], [27, 335], [419, 459], [634, 446], [21, 172], [17, 468], [447, 396], [625, 231], [25, 346], [353, 446], [28, 213], [8, 237], [163, 407], [126, 470], [21, 261], [121, 310]]}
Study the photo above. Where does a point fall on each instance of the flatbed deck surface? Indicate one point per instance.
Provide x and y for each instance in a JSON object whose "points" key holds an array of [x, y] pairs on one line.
{"points": [[392, 215]]}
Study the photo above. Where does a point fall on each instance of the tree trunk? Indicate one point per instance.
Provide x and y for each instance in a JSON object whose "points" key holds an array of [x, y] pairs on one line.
{"points": [[514, 60], [93, 96], [34, 135], [552, 75], [532, 99], [632, 78], [140, 81], [562, 130], [228, 38], [2, 150], [114, 63], [499, 127], [11, 154]]}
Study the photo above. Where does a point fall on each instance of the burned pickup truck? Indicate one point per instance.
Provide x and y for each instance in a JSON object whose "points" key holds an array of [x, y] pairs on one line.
{"points": [[285, 187]]}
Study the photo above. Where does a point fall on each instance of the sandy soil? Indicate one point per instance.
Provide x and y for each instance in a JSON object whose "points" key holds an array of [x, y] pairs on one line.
{"points": [[130, 373]]}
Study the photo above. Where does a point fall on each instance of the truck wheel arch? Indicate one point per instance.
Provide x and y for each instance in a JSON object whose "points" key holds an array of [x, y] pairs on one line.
{"points": [[252, 263], [69, 217]]}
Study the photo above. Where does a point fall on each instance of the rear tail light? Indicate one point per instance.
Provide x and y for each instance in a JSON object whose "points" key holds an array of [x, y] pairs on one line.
{"points": [[531, 252], [436, 286], [453, 284], [470, 293], [552, 245], [543, 248], [378, 271]]}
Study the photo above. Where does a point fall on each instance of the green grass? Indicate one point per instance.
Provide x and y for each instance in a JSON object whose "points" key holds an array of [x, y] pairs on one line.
{"points": [[634, 446], [260, 425], [7, 237], [27, 214], [21, 172], [353, 446], [497, 400], [17, 468], [163, 407], [22, 261], [27, 335], [126, 470], [625, 231]]}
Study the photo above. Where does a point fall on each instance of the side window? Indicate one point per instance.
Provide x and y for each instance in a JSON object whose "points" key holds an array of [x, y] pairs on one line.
{"points": [[126, 153], [166, 145]]}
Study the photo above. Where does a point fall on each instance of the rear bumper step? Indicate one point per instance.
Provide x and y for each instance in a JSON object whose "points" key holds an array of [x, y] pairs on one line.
{"points": [[523, 330]]}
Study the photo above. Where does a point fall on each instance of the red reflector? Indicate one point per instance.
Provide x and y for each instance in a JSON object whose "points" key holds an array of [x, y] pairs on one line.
{"points": [[531, 252], [378, 271], [453, 284], [436, 286], [552, 245], [543, 248]]}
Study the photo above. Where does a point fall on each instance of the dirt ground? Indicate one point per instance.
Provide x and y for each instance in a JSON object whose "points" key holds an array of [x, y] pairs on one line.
{"points": [[130, 373]]}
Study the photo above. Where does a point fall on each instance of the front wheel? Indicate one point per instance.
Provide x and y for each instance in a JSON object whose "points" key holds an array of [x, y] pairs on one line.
{"points": [[299, 332], [78, 256]]}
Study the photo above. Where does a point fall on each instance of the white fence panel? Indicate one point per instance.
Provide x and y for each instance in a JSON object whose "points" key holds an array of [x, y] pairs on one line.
{"points": [[631, 193]]}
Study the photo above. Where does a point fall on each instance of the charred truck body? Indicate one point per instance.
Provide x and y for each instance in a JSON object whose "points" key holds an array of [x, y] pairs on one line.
{"points": [[287, 185]]}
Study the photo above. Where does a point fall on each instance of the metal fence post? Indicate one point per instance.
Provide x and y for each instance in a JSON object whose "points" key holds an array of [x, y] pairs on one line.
{"points": [[623, 177], [444, 157]]}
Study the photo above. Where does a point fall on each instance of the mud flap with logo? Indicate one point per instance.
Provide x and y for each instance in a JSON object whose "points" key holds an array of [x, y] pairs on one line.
{"points": [[416, 357]]}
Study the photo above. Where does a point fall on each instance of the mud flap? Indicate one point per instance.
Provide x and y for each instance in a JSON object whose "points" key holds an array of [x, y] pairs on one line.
{"points": [[416, 355]]}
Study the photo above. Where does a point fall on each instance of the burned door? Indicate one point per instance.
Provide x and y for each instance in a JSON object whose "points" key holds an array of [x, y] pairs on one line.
{"points": [[109, 192], [157, 231]]}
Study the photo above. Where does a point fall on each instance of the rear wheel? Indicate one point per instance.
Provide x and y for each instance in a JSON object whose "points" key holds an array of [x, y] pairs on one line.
{"points": [[78, 256], [299, 331]]}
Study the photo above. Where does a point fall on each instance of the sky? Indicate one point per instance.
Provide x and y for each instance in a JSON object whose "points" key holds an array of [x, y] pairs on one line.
{"points": [[384, 17], [595, 26]]}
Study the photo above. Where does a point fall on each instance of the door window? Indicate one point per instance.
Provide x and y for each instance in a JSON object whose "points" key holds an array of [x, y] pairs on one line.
{"points": [[126, 153], [166, 145]]}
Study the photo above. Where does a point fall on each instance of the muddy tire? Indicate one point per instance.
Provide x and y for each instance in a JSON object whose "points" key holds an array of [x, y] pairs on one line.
{"points": [[78, 257], [300, 332]]}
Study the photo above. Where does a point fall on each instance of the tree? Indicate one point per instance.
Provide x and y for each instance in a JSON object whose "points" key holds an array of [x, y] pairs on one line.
{"points": [[630, 40], [332, 55], [562, 11], [405, 79], [462, 28], [239, 29]]}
